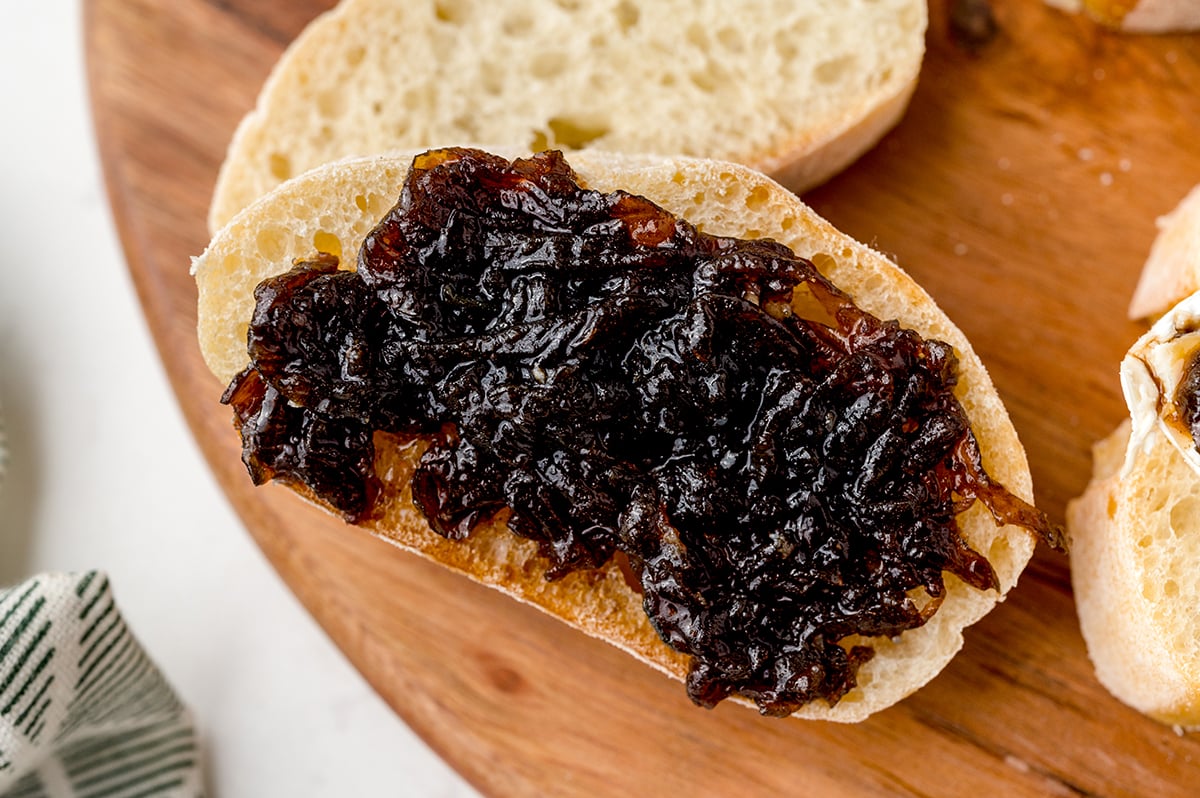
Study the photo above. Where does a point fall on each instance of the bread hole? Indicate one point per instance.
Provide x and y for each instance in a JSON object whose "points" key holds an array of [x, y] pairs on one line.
{"points": [[355, 55], [539, 141], [568, 5], [847, 253], [824, 262], [330, 103], [788, 223], [1171, 588], [752, 233], [576, 131], [360, 202], [731, 39], [667, 79], [757, 199], [324, 241], [517, 24], [598, 41], [325, 133], [1145, 542], [699, 198], [548, 65], [834, 70], [243, 331], [270, 242], [401, 128], [452, 12], [679, 178], [280, 165], [377, 204], [627, 15], [785, 45], [706, 80], [697, 35], [1185, 516]]}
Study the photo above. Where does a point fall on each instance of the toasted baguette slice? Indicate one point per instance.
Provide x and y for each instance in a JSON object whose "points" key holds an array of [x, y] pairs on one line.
{"points": [[335, 206], [1172, 271], [1135, 535], [796, 88], [1138, 16]]}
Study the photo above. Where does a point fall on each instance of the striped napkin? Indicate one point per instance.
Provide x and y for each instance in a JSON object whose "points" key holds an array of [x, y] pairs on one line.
{"points": [[84, 713], [83, 710]]}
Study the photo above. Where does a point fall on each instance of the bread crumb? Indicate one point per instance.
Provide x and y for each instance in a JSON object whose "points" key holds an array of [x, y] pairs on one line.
{"points": [[1086, 154], [961, 249], [1098, 74], [1171, 56], [1004, 163], [1125, 164], [1106, 178], [1006, 199]]}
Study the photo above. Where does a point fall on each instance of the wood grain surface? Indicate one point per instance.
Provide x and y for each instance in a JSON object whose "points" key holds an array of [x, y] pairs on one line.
{"points": [[1021, 190]]}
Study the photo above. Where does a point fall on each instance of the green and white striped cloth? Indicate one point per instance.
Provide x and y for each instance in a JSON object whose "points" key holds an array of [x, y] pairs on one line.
{"points": [[84, 712]]}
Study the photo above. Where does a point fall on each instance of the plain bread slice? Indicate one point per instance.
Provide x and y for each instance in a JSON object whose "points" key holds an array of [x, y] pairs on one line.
{"points": [[796, 88]]}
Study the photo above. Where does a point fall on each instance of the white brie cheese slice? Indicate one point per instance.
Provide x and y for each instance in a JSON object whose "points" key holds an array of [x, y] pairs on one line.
{"points": [[1150, 376]]}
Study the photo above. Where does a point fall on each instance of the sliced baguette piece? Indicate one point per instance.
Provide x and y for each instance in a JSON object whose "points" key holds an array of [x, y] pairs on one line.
{"points": [[334, 206], [796, 88], [1135, 535], [1172, 271]]}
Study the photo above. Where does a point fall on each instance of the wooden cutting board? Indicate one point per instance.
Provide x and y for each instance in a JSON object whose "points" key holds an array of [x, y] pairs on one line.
{"points": [[1021, 190]]}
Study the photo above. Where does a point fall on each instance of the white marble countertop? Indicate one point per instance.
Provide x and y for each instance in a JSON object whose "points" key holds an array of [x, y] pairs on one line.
{"points": [[104, 473]]}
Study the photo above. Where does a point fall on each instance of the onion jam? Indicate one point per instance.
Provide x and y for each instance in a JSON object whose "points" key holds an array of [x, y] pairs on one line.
{"points": [[1187, 398], [781, 469]]}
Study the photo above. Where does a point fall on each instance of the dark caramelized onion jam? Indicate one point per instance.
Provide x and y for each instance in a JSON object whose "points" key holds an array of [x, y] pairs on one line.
{"points": [[1187, 397], [779, 480]]}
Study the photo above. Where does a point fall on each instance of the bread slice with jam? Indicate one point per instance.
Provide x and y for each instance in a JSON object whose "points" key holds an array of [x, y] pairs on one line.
{"points": [[334, 207]]}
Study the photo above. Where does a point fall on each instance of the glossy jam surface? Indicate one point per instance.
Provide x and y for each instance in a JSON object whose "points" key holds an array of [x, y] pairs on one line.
{"points": [[780, 469], [1187, 397]]}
